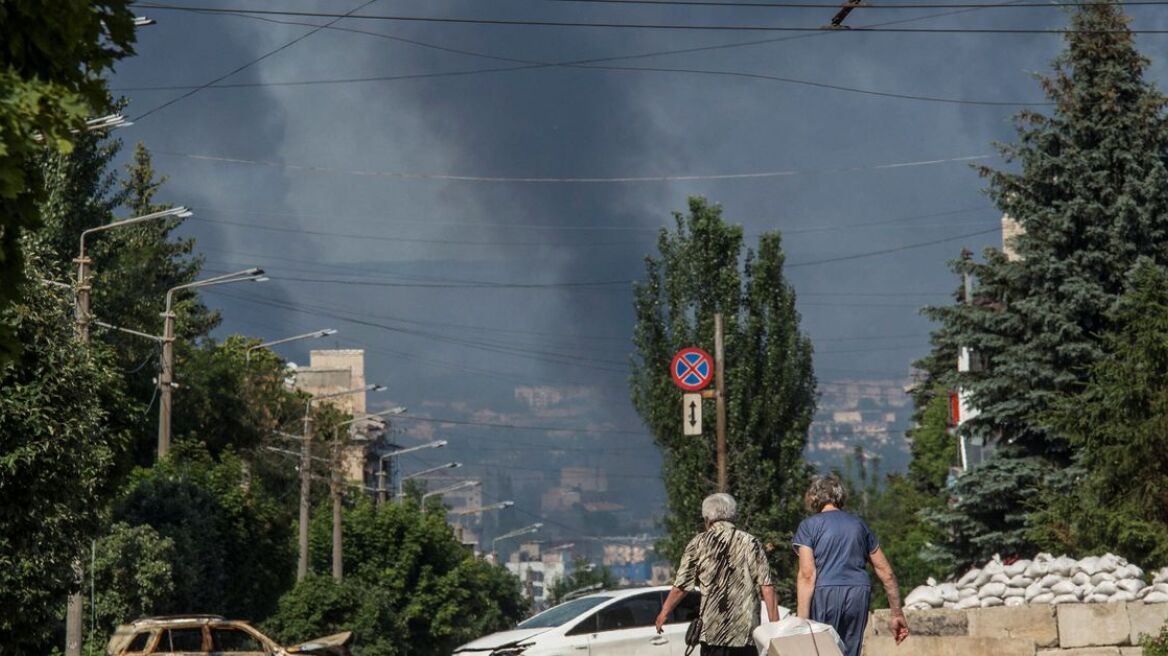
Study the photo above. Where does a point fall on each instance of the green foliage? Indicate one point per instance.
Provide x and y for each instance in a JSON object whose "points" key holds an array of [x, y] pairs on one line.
{"points": [[133, 574], [934, 450], [409, 586], [585, 575], [51, 65], [232, 543], [988, 513], [58, 460], [701, 270], [1089, 185], [1117, 424], [1156, 645], [895, 515], [227, 399], [131, 267]]}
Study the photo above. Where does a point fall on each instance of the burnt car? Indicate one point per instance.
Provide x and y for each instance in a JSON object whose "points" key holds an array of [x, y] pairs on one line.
{"points": [[192, 635]]}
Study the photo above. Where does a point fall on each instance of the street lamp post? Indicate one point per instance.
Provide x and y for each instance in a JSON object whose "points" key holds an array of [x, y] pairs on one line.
{"points": [[492, 506], [82, 260], [312, 335], [514, 534], [166, 375], [306, 473], [336, 489], [402, 479], [381, 473], [453, 488]]}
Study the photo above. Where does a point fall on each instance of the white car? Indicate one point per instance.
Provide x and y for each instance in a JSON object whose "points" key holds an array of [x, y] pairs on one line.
{"points": [[616, 623]]}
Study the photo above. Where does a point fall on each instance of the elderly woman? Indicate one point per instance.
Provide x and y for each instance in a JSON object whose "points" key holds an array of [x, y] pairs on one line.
{"points": [[834, 549], [730, 567]]}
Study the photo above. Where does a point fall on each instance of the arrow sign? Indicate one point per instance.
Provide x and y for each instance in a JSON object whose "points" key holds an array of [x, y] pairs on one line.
{"points": [[691, 414]]}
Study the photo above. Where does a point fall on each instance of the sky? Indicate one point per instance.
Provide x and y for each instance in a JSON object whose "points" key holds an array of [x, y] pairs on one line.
{"points": [[436, 191]]}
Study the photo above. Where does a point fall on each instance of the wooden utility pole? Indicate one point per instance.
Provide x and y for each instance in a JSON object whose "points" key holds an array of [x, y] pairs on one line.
{"points": [[305, 490], [338, 496], [720, 399]]}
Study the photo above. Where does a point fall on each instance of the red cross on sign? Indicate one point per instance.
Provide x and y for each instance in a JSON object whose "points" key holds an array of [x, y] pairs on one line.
{"points": [[692, 369]]}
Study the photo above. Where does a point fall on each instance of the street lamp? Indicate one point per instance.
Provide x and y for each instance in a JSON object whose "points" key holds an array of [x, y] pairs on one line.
{"points": [[166, 375], [402, 479], [336, 490], [502, 505], [82, 260], [514, 534], [381, 473], [313, 335], [306, 477], [453, 488]]}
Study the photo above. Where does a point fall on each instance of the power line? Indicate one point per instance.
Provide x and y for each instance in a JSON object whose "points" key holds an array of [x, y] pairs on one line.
{"points": [[641, 26], [247, 65], [528, 64], [881, 5], [447, 177], [886, 251], [559, 429]]}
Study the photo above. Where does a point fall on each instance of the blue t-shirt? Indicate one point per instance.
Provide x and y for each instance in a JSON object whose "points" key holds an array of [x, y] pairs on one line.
{"points": [[841, 543]]}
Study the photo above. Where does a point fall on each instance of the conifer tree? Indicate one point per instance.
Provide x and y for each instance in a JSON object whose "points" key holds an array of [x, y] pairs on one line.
{"points": [[1116, 424], [701, 270], [1090, 189]]}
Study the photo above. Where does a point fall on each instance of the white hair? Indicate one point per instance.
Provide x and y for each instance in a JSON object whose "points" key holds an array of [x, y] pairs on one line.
{"points": [[720, 506]]}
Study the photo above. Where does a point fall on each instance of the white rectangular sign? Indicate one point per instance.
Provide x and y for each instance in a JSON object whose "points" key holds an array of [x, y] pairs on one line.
{"points": [[691, 414]]}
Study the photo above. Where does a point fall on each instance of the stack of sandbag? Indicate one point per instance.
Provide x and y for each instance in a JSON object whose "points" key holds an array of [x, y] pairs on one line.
{"points": [[1044, 580]]}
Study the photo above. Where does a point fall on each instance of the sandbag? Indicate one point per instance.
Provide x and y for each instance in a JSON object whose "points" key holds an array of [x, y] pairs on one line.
{"points": [[990, 602], [992, 590]]}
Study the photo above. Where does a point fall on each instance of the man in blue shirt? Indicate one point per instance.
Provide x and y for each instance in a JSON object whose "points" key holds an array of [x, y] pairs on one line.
{"points": [[834, 548]]}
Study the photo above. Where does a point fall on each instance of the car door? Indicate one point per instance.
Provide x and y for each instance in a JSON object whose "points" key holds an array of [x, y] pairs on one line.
{"points": [[234, 641], [626, 628], [678, 621]]}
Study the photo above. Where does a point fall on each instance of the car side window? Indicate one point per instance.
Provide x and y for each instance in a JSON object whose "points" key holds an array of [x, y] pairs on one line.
{"points": [[230, 640], [588, 625], [181, 641], [630, 613], [138, 643], [687, 610]]}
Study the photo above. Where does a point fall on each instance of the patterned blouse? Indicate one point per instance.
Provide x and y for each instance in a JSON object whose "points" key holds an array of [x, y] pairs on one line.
{"points": [[729, 566]]}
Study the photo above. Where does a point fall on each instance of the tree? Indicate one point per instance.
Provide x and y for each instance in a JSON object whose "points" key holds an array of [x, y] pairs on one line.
{"points": [[584, 576], [232, 542], [50, 81], [1091, 193], [934, 449], [409, 586], [700, 271], [1117, 425], [132, 267], [133, 576], [59, 456], [988, 512]]}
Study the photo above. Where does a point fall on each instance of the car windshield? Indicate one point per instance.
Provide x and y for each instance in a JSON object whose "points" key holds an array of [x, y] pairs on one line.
{"points": [[563, 613]]}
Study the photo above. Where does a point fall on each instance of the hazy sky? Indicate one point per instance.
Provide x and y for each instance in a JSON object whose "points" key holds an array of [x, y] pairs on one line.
{"points": [[385, 158]]}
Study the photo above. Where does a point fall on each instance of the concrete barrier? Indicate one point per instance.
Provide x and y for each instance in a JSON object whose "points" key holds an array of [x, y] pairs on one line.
{"points": [[1041, 630]]}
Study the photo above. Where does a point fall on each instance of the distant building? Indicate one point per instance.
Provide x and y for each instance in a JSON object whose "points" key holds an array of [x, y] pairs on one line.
{"points": [[538, 567], [331, 371]]}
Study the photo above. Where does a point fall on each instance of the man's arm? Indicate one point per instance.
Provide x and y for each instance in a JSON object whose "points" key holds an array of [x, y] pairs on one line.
{"points": [[898, 625], [771, 601], [671, 602], [805, 582]]}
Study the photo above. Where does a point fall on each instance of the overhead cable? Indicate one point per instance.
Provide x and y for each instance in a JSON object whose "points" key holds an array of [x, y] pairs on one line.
{"points": [[640, 26], [450, 177]]}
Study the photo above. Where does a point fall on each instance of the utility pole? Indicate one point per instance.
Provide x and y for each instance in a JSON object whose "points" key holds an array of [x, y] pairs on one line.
{"points": [[74, 609], [335, 484], [166, 373], [305, 490], [166, 382], [720, 399]]}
